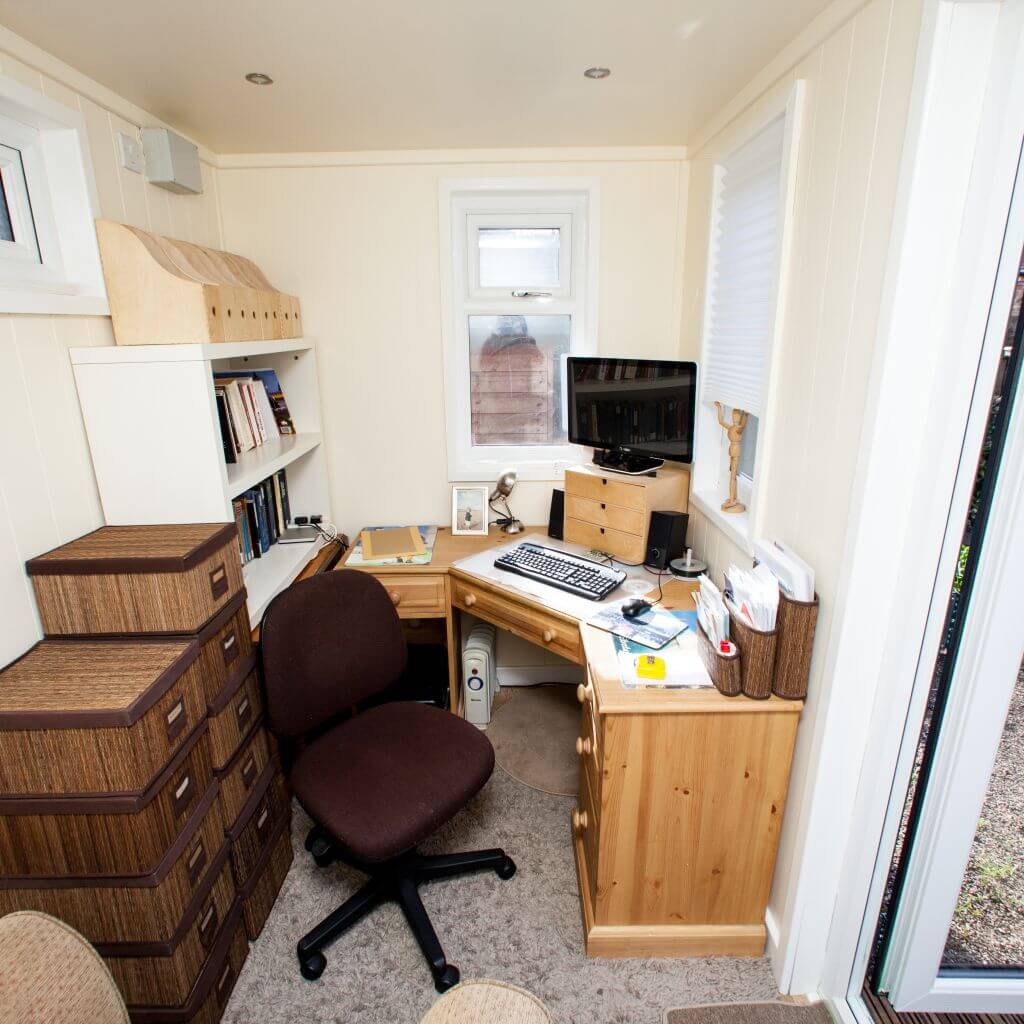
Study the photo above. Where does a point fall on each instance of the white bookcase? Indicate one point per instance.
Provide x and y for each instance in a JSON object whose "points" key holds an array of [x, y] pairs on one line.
{"points": [[151, 418]]}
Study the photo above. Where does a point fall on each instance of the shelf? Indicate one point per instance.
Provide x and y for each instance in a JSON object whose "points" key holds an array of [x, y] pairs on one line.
{"points": [[186, 353], [258, 464], [267, 576]]}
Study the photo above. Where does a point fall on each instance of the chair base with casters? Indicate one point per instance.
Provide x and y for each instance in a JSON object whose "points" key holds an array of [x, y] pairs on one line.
{"points": [[396, 880]]}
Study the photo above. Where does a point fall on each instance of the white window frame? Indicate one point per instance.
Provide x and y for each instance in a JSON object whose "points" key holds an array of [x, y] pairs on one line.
{"points": [[65, 276], [466, 205], [711, 448]]}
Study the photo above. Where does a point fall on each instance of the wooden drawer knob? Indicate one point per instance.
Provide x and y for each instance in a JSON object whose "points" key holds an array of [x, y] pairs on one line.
{"points": [[584, 693], [396, 597], [549, 635], [469, 600], [583, 746], [579, 820]]}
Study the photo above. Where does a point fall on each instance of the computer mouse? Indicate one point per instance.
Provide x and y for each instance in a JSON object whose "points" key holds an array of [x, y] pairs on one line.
{"points": [[631, 609]]}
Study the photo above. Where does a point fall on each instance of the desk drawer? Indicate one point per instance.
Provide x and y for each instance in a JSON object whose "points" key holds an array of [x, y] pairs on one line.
{"points": [[627, 547], [415, 597], [608, 489], [600, 513], [588, 745], [585, 825], [546, 631]]}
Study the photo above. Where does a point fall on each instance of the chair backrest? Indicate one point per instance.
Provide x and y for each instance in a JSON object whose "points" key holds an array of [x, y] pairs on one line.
{"points": [[328, 643], [49, 974]]}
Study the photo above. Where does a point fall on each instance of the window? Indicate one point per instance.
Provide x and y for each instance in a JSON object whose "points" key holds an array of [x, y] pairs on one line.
{"points": [[49, 262], [741, 313], [518, 302]]}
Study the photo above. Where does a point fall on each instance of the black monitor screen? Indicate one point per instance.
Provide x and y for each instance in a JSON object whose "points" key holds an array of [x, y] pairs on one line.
{"points": [[643, 406]]}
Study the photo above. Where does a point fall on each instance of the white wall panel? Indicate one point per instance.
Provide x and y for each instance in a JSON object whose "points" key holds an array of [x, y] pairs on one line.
{"points": [[47, 488], [858, 89]]}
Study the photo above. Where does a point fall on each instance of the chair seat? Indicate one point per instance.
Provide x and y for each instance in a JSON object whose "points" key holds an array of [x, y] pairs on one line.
{"points": [[384, 780]]}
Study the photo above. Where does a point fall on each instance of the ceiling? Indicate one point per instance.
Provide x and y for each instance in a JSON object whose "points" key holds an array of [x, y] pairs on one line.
{"points": [[405, 74]]}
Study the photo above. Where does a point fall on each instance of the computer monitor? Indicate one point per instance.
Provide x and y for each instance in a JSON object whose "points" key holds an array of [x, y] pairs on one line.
{"points": [[633, 411]]}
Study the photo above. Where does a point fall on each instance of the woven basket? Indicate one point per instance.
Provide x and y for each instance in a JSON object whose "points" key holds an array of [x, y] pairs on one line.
{"points": [[795, 626], [133, 908], [757, 657], [725, 669], [122, 580]]}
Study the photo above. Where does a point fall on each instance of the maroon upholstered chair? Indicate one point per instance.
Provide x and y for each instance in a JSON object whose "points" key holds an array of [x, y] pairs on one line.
{"points": [[380, 781]]}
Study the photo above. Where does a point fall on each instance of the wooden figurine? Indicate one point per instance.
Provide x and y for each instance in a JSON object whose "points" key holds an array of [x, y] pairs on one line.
{"points": [[734, 431]]}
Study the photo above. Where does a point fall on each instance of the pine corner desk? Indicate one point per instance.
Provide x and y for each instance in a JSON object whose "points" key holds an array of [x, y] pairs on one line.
{"points": [[681, 793]]}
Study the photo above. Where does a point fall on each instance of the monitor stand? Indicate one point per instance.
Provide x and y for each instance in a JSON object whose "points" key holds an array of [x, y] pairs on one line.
{"points": [[624, 462]]}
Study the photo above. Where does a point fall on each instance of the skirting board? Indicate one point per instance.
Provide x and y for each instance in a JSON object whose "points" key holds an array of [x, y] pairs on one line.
{"points": [[531, 675], [624, 940]]}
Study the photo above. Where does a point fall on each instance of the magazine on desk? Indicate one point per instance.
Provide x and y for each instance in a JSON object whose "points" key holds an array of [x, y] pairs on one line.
{"points": [[428, 533], [676, 665]]}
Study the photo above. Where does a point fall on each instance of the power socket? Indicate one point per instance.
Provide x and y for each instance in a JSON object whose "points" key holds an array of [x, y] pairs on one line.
{"points": [[132, 155]]}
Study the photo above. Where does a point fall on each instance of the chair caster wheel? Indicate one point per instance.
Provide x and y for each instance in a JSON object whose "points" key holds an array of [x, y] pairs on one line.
{"points": [[323, 852], [506, 869], [312, 966], [446, 979]]}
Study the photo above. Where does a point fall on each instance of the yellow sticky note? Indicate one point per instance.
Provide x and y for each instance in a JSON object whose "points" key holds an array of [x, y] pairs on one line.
{"points": [[650, 666]]}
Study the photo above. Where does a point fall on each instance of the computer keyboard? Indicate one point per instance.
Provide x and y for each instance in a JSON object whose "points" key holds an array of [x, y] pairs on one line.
{"points": [[580, 576]]}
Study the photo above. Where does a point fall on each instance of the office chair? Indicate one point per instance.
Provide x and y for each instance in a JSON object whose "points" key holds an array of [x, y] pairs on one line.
{"points": [[380, 781]]}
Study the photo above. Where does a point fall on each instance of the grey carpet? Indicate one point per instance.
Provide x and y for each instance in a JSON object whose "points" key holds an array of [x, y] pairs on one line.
{"points": [[752, 1013], [525, 931], [534, 734]]}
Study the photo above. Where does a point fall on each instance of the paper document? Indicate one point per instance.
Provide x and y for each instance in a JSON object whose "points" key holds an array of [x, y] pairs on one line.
{"points": [[712, 613], [754, 594], [676, 665], [795, 576]]}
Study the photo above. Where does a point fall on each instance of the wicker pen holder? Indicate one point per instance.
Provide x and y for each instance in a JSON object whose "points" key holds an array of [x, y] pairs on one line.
{"points": [[757, 657], [724, 669], [795, 626]]}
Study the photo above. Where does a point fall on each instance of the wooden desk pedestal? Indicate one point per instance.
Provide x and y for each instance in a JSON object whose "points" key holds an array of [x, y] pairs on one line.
{"points": [[681, 793], [681, 796]]}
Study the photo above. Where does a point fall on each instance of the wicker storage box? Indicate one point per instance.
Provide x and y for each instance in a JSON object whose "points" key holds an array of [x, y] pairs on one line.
{"points": [[724, 669], [96, 717], [105, 835], [210, 993], [233, 711], [256, 827], [139, 908], [796, 623], [757, 657], [246, 771], [226, 642], [138, 579], [261, 890], [165, 976]]}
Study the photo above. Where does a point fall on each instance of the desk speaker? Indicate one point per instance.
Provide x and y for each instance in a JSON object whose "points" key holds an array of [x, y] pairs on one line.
{"points": [[666, 539], [556, 519]]}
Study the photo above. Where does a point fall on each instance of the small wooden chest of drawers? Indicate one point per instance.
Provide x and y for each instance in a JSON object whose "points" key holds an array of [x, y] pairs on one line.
{"points": [[611, 512]]}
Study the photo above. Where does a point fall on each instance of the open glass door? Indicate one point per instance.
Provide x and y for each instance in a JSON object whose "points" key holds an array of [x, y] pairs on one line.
{"points": [[952, 936]]}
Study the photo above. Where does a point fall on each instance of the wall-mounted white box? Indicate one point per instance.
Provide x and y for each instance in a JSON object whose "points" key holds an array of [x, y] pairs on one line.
{"points": [[172, 162]]}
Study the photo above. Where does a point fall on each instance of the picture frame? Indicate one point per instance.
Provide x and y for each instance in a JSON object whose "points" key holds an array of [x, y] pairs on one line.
{"points": [[470, 510]]}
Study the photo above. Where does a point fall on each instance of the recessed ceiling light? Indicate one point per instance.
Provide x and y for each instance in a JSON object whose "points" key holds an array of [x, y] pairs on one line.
{"points": [[597, 73], [258, 78]]}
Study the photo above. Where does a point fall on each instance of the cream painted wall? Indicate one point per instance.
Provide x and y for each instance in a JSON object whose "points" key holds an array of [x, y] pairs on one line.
{"points": [[359, 244], [858, 89], [47, 489]]}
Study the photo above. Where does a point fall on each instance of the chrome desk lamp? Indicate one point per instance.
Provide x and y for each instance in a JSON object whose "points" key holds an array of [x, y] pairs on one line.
{"points": [[502, 489]]}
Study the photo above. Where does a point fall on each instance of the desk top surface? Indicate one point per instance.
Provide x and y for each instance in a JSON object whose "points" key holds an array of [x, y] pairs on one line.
{"points": [[473, 557]]}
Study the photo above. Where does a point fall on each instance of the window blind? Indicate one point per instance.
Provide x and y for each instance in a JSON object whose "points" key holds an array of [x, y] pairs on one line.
{"points": [[742, 277]]}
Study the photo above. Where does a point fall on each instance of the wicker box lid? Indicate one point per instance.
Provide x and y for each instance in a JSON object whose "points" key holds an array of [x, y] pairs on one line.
{"points": [[134, 549], [90, 684]]}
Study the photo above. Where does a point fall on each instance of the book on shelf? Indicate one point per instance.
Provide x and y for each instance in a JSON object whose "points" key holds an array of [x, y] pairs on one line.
{"points": [[255, 407], [226, 436], [262, 514]]}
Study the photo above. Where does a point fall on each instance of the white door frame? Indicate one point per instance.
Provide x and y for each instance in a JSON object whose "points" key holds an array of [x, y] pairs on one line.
{"points": [[982, 684], [960, 158]]}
